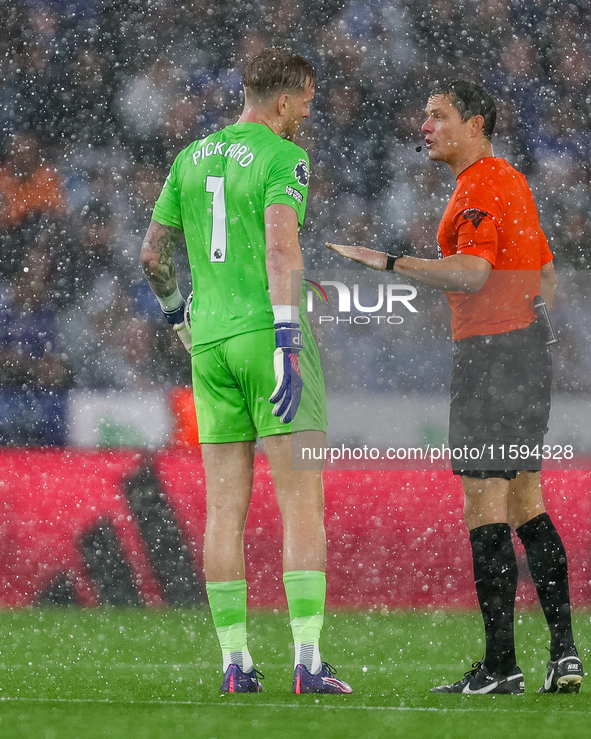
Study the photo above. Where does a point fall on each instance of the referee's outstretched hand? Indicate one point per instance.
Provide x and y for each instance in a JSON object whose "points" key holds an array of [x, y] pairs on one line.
{"points": [[369, 257]]}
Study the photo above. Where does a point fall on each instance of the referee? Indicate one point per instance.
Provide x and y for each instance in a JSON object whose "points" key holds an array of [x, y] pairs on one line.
{"points": [[494, 261]]}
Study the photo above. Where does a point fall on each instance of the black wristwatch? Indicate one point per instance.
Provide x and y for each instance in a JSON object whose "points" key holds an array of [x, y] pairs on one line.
{"points": [[391, 261]]}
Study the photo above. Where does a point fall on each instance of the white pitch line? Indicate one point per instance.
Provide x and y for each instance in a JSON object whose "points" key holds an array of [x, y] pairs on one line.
{"points": [[232, 703]]}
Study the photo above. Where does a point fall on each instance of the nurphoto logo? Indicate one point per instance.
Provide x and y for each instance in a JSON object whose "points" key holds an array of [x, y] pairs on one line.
{"points": [[380, 304]]}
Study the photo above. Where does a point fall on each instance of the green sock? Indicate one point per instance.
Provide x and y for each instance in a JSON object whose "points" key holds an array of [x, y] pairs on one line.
{"points": [[306, 594], [227, 601]]}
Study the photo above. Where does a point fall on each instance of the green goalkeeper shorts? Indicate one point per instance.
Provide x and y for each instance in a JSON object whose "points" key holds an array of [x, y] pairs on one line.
{"points": [[233, 381]]}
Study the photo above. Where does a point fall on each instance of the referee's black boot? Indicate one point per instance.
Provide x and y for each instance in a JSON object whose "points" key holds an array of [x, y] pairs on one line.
{"points": [[564, 675], [479, 680]]}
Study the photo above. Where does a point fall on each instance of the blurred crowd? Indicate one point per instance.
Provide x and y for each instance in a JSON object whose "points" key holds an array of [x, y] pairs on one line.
{"points": [[98, 96]]}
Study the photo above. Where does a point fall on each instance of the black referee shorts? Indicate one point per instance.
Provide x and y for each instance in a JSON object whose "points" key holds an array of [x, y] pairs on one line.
{"points": [[500, 403]]}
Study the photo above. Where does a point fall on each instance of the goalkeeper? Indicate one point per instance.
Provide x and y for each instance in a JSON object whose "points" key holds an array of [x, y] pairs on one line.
{"points": [[239, 198]]}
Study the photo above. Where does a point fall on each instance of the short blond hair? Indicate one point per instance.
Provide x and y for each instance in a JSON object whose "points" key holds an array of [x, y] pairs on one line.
{"points": [[275, 71]]}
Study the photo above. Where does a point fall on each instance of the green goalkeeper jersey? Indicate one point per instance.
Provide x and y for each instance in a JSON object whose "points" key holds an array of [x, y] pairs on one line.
{"points": [[216, 193]]}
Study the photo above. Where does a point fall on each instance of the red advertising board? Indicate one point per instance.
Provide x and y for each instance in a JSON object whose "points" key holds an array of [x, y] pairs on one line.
{"points": [[126, 527]]}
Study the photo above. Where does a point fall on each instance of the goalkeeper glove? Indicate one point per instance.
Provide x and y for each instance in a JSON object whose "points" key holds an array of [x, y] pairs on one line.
{"points": [[179, 319], [288, 391]]}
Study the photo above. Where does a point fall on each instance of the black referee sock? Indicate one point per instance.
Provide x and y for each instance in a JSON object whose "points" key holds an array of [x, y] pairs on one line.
{"points": [[547, 562], [495, 576]]}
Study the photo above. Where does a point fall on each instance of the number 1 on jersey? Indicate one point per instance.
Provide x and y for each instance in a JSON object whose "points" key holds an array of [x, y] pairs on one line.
{"points": [[217, 253]]}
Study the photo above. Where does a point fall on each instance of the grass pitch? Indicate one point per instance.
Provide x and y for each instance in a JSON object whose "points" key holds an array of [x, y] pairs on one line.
{"points": [[154, 674]]}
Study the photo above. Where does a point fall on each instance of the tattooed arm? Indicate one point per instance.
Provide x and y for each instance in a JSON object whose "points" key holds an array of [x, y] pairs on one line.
{"points": [[156, 259], [158, 265]]}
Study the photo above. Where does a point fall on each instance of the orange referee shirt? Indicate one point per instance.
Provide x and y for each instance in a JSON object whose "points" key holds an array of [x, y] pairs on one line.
{"points": [[492, 215]]}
